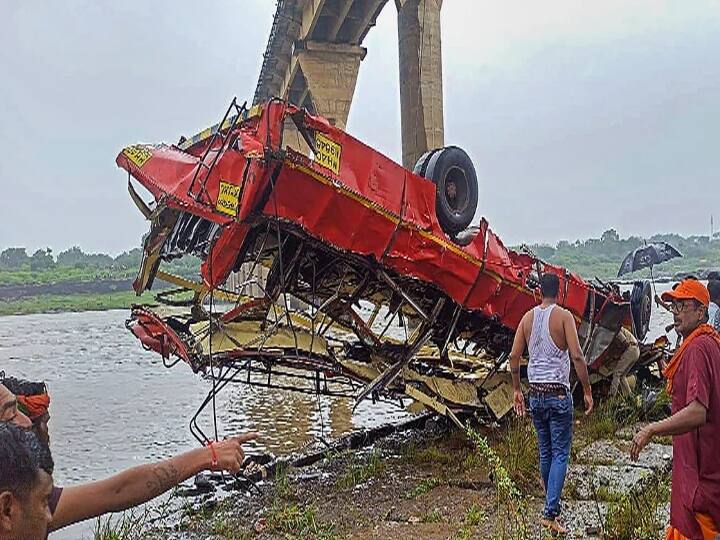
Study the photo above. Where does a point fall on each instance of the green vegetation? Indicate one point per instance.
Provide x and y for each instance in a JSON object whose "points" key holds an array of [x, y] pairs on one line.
{"points": [[73, 302], [230, 529], [517, 446], [74, 265], [474, 516], [434, 516], [511, 506], [119, 528], [281, 482], [60, 274], [423, 487], [604, 494], [144, 522], [602, 256], [619, 412], [298, 522], [359, 471], [634, 515]]}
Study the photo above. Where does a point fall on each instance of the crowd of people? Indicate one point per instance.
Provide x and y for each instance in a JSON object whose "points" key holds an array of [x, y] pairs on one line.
{"points": [[31, 505]]}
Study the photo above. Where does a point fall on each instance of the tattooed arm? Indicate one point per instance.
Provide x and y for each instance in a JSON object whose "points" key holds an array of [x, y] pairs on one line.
{"points": [[140, 484]]}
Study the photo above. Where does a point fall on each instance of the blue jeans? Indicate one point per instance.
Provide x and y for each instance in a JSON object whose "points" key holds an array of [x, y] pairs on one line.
{"points": [[553, 419]]}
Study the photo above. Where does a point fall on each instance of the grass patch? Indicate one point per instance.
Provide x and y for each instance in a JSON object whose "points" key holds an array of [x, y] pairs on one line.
{"points": [[511, 508], [517, 448], [571, 489], [143, 522], [283, 487], [130, 525], [424, 486], [658, 409], [54, 303], [359, 471], [229, 528], [474, 516], [60, 274], [290, 519], [447, 457], [430, 455], [610, 416], [434, 516], [604, 494], [635, 515]]}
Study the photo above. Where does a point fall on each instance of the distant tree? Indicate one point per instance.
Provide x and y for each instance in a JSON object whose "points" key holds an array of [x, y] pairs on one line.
{"points": [[128, 259], [99, 260], [71, 257], [13, 258], [544, 251], [611, 235], [77, 258], [42, 259]]}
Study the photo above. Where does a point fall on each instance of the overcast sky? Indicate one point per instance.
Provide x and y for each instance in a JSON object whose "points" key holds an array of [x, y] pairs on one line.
{"points": [[579, 116]]}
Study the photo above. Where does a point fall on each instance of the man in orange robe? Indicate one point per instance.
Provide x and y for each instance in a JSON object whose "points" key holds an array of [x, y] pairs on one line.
{"points": [[693, 381]]}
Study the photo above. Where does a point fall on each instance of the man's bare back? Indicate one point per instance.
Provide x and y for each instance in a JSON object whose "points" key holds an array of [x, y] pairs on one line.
{"points": [[559, 319]]}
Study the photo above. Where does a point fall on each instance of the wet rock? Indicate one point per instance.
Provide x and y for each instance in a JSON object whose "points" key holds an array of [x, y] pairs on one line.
{"points": [[585, 482], [312, 475], [203, 482], [653, 456], [584, 519]]}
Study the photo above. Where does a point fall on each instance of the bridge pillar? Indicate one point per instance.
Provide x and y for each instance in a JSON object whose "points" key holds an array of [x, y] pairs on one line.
{"points": [[421, 94], [330, 70]]}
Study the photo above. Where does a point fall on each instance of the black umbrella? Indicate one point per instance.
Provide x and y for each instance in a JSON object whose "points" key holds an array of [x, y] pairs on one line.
{"points": [[648, 256]]}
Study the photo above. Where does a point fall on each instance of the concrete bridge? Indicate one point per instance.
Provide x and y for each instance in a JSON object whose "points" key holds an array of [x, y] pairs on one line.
{"points": [[314, 52]]}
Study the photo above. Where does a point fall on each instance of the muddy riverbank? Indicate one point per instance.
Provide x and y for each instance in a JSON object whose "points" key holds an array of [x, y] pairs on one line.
{"points": [[433, 483]]}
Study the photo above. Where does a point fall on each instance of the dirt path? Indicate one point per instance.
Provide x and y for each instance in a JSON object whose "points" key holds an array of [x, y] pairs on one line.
{"points": [[17, 292]]}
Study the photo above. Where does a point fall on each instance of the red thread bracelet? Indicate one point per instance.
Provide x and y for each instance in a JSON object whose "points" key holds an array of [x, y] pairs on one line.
{"points": [[214, 459]]}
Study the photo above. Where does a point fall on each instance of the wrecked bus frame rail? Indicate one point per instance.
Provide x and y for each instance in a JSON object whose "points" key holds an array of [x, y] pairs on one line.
{"points": [[339, 242]]}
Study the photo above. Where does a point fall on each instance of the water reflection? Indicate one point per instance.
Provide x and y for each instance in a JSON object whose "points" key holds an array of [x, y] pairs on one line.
{"points": [[115, 405]]}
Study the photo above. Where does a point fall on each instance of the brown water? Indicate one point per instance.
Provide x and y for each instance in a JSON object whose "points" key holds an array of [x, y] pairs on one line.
{"points": [[115, 405]]}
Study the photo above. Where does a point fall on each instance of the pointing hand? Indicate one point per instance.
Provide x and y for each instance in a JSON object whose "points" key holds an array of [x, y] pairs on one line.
{"points": [[229, 454]]}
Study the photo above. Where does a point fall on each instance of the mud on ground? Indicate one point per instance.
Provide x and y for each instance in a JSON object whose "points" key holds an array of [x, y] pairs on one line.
{"points": [[433, 484]]}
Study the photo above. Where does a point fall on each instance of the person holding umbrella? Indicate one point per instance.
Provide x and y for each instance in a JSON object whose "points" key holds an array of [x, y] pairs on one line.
{"points": [[693, 381], [647, 256]]}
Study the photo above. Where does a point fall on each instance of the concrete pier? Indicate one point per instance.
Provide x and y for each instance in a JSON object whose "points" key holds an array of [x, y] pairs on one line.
{"points": [[421, 93]]}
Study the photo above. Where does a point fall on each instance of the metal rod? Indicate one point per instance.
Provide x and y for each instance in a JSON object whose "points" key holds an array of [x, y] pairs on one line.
{"points": [[395, 287]]}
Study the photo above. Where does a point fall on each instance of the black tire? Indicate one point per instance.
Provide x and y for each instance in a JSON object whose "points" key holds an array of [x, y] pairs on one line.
{"points": [[456, 187], [422, 163], [641, 307]]}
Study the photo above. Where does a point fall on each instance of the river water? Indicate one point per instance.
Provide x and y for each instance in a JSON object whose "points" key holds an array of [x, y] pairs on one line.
{"points": [[115, 405]]}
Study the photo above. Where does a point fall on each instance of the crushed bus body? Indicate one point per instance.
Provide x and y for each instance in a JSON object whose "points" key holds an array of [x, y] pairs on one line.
{"points": [[363, 278]]}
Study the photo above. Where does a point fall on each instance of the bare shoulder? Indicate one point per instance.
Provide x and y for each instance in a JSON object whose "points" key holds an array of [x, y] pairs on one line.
{"points": [[561, 317], [527, 319]]}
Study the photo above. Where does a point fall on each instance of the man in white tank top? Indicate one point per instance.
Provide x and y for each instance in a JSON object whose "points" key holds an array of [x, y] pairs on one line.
{"points": [[550, 335]]}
